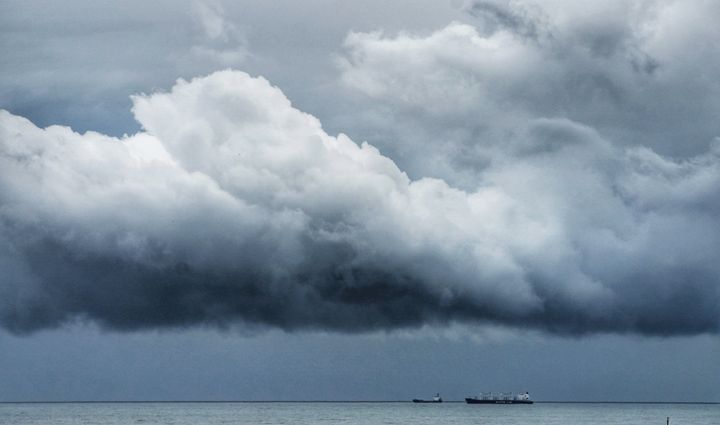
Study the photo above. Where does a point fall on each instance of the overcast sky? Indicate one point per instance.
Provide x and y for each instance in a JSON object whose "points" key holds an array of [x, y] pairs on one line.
{"points": [[359, 200]]}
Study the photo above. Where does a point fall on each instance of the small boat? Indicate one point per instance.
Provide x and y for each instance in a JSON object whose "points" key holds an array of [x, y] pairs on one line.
{"points": [[501, 398], [436, 399]]}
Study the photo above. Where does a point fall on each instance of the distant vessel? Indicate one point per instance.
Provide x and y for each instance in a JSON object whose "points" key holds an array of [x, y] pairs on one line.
{"points": [[500, 398], [436, 399]]}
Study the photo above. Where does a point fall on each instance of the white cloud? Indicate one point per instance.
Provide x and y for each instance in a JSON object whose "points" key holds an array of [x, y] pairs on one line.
{"points": [[234, 205], [453, 97]]}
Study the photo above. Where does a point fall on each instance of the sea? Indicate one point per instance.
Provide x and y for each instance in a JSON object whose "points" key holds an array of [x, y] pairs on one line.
{"points": [[356, 413]]}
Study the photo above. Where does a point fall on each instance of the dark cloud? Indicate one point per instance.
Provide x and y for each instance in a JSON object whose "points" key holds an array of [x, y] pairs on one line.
{"points": [[330, 294], [553, 167], [233, 207]]}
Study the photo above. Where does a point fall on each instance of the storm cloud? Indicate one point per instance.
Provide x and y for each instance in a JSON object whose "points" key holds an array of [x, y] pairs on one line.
{"points": [[234, 207], [441, 102]]}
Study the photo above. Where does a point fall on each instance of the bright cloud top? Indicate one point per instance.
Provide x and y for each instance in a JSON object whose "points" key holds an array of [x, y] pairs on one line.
{"points": [[640, 73], [234, 207]]}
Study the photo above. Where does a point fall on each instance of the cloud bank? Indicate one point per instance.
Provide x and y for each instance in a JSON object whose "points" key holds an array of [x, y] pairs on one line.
{"points": [[443, 101], [233, 207]]}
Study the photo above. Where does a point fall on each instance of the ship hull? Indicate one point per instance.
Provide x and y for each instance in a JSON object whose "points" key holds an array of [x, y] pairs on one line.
{"points": [[480, 401], [415, 400]]}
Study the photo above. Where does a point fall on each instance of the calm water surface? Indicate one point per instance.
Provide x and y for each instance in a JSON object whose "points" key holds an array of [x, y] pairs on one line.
{"points": [[354, 413]]}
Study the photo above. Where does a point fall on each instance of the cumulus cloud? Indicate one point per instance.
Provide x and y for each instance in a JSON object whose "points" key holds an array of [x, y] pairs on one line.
{"points": [[636, 72], [232, 206]]}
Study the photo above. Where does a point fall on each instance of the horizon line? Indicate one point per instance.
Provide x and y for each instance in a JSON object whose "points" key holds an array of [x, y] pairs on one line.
{"points": [[330, 401]]}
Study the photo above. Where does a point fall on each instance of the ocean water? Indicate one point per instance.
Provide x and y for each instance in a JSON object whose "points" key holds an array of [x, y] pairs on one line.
{"points": [[355, 413]]}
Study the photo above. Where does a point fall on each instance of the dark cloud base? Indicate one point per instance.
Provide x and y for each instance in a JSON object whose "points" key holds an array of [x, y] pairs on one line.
{"points": [[335, 296], [233, 208]]}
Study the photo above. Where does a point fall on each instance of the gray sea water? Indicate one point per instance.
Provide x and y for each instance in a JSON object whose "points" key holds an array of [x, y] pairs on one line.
{"points": [[355, 413]]}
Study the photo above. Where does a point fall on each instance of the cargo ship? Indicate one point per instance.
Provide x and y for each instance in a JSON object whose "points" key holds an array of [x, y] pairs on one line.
{"points": [[500, 398], [436, 399]]}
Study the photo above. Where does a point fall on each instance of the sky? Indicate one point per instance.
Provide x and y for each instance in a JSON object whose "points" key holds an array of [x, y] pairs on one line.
{"points": [[212, 200]]}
